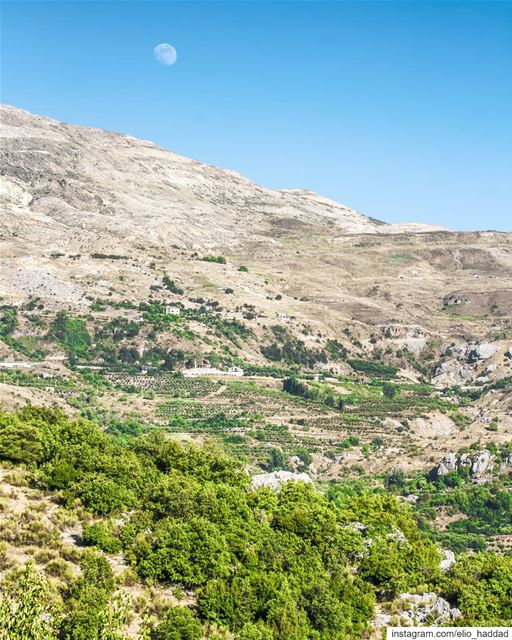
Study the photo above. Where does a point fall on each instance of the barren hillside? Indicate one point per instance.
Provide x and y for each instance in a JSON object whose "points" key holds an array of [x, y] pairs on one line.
{"points": [[126, 260]]}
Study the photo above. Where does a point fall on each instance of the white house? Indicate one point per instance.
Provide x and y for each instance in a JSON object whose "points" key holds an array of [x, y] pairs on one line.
{"points": [[235, 371], [171, 309], [196, 372]]}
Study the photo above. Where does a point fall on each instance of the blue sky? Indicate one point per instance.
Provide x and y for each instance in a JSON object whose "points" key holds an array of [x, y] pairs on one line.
{"points": [[402, 111]]}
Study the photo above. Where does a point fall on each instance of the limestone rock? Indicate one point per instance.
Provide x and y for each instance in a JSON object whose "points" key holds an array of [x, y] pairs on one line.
{"points": [[276, 478], [481, 463], [447, 560], [420, 608], [447, 465], [482, 351]]}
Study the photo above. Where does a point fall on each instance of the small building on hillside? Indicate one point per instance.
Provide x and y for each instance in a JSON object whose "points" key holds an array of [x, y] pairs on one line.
{"points": [[172, 309], [235, 371], [197, 372]]}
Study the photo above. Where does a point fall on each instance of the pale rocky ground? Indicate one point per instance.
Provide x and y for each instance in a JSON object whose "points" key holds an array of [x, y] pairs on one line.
{"points": [[79, 191], [33, 527], [69, 192]]}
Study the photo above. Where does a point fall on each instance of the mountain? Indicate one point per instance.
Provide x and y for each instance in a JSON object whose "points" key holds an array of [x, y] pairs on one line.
{"points": [[206, 267], [238, 413], [77, 190], [97, 184]]}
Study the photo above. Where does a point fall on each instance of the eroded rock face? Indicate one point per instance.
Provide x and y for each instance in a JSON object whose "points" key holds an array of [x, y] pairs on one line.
{"points": [[447, 465], [447, 560], [481, 463], [452, 372], [415, 609], [463, 361], [276, 478], [420, 608]]}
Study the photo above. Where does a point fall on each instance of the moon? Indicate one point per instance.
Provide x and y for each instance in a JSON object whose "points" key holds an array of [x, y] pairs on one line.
{"points": [[165, 53]]}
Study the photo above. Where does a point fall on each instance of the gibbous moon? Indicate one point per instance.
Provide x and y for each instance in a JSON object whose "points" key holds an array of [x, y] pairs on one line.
{"points": [[165, 53]]}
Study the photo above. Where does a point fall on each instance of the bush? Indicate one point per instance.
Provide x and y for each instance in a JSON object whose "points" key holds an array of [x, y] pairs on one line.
{"points": [[179, 623], [171, 286], [215, 259], [99, 535], [26, 608], [389, 390]]}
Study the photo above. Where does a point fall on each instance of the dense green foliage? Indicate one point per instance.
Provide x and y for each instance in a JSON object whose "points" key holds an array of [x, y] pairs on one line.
{"points": [[286, 348], [481, 586], [275, 566], [373, 369], [72, 334]]}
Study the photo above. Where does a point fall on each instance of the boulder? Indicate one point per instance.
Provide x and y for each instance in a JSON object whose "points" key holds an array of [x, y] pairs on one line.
{"points": [[276, 478], [447, 465], [481, 463], [465, 460], [447, 560], [482, 351]]}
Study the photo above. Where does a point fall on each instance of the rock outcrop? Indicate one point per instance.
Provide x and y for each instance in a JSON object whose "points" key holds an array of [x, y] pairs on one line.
{"points": [[447, 560], [276, 478], [480, 465], [414, 609]]}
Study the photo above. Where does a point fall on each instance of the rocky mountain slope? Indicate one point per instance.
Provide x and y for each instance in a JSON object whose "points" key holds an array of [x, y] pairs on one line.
{"points": [[77, 191], [79, 185], [125, 259]]}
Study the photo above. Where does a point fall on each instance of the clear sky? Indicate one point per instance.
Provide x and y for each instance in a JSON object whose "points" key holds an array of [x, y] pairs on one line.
{"points": [[402, 111]]}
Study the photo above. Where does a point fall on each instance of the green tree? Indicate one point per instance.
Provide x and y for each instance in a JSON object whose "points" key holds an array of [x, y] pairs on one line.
{"points": [[179, 623], [27, 609]]}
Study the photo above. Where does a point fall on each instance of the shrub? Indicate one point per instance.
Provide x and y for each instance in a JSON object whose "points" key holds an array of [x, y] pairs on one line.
{"points": [[27, 610], [179, 623], [389, 390], [99, 535], [215, 259], [171, 286]]}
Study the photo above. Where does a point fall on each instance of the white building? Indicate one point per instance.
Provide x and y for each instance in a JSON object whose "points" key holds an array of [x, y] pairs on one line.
{"points": [[171, 309], [197, 372], [235, 371]]}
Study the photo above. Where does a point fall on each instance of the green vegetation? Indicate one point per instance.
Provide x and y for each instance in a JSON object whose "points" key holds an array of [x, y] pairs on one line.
{"points": [[336, 349], [214, 259], [8, 324], [291, 350], [481, 511], [72, 334], [171, 286], [108, 256], [281, 565], [373, 369]]}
